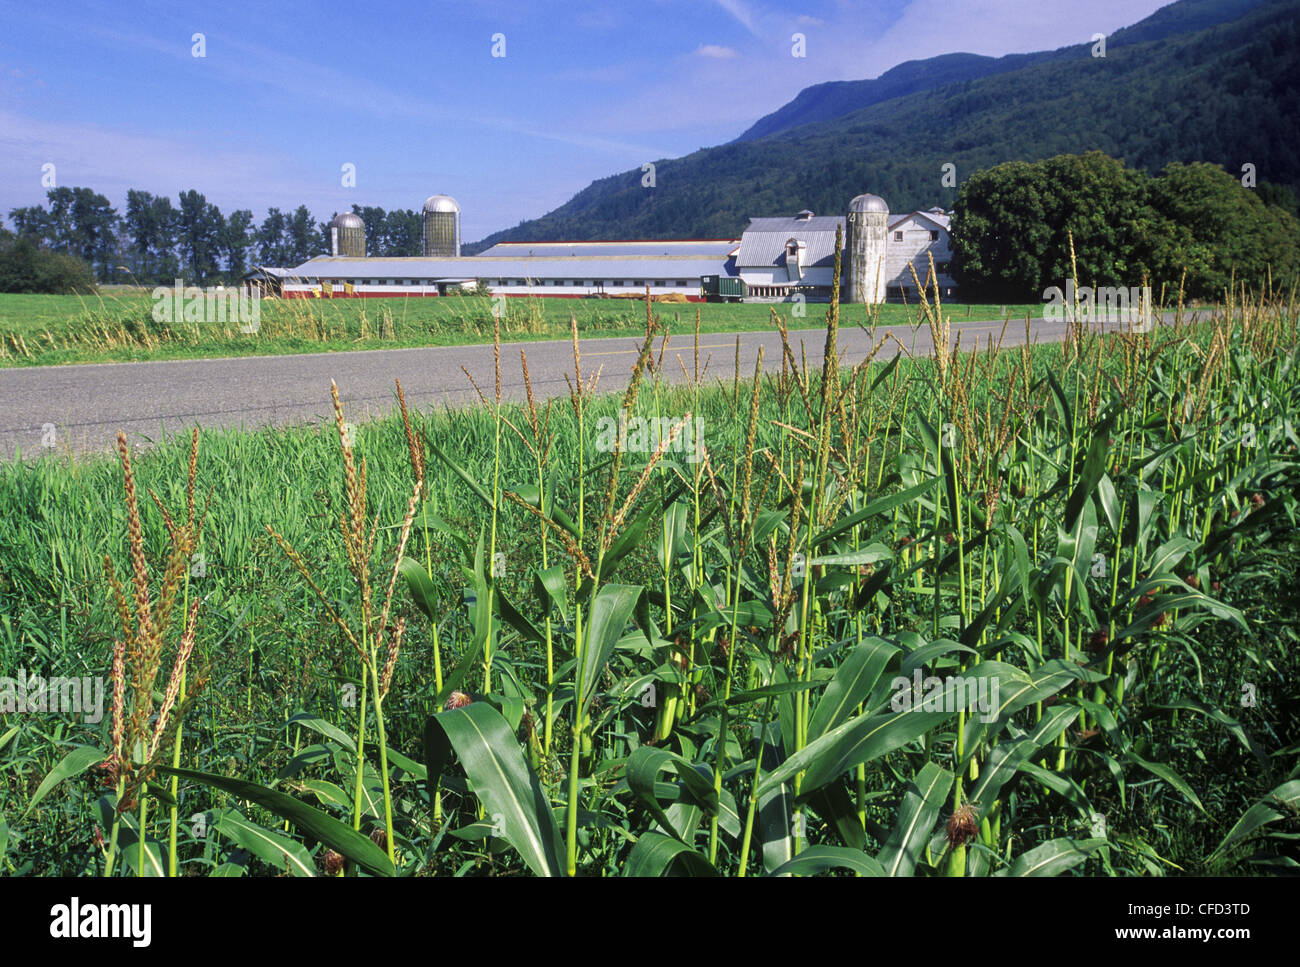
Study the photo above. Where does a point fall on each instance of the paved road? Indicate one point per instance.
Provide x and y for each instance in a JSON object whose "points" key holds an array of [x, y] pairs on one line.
{"points": [[87, 404]]}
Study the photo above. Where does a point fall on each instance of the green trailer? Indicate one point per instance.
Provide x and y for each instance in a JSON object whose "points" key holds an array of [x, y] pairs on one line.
{"points": [[722, 288]]}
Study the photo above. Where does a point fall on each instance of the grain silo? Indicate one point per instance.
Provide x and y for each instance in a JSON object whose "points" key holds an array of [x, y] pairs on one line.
{"points": [[348, 236], [441, 227], [868, 226]]}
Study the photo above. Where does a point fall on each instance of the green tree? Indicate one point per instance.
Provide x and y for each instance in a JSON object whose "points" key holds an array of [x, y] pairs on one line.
{"points": [[199, 234], [1193, 226], [403, 234], [151, 223], [35, 224], [300, 236], [376, 226], [85, 225], [26, 268], [236, 238], [270, 239], [1220, 231], [1000, 231]]}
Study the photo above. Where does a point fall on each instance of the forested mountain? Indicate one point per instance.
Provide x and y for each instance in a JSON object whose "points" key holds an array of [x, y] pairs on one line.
{"points": [[1200, 80], [824, 102]]}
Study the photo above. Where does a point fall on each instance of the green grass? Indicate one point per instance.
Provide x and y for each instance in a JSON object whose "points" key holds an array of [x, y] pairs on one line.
{"points": [[996, 515], [118, 326]]}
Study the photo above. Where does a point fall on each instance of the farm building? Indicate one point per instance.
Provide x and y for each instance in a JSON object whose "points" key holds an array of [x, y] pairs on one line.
{"points": [[781, 258], [775, 259], [574, 276], [267, 282], [915, 238]]}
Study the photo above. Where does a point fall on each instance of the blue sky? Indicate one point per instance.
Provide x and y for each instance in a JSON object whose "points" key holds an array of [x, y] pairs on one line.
{"points": [[411, 94]]}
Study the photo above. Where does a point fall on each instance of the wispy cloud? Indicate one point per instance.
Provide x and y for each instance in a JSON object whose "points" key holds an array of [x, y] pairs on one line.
{"points": [[303, 81], [717, 51], [111, 161], [741, 12]]}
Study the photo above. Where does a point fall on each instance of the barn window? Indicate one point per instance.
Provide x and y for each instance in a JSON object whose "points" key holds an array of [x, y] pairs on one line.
{"points": [[898, 236], [934, 236]]}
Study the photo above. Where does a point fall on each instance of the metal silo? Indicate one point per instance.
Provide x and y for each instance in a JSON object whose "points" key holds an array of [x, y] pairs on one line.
{"points": [[441, 227], [868, 224], [348, 236]]}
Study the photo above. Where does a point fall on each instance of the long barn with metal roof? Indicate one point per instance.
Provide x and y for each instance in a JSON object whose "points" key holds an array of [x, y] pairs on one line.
{"points": [[704, 247], [548, 275]]}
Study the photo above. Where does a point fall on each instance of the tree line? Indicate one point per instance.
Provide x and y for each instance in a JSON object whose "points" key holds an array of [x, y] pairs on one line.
{"points": [[153, 241]]}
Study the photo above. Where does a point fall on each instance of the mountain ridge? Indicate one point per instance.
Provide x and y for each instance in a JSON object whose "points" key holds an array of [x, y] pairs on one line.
{"points": [[1169, 89], [832, 99]]}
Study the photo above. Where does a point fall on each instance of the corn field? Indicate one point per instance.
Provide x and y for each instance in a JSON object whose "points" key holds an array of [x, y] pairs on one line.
{"points": [[993, 611]]}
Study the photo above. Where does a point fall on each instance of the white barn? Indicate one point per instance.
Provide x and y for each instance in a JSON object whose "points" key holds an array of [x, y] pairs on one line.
{"points": [[782, 258], [913, 239]]}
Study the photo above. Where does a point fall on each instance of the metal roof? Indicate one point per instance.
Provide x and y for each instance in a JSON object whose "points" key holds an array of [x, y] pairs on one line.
{"points": [[543, 267], [938, 218], [763, 243], [347, 220], [441, 203], [720, 248], [868, 203]]}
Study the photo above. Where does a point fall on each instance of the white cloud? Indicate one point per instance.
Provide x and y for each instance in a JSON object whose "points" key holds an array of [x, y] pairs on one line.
{"points": [[717, 52]]}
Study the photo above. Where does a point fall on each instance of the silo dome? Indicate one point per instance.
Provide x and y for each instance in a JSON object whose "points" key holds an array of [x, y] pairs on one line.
{"points": [[348, 220], [441, 203], [347, 235], [441, 227], [868, 203]]}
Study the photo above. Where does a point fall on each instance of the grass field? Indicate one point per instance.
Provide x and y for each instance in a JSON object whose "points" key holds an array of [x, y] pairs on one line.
{"points": [[119, 327], [603, 657]]}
